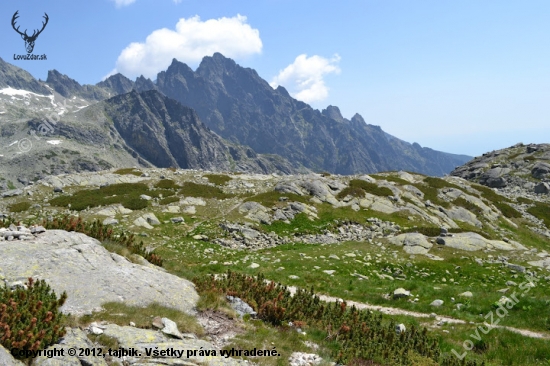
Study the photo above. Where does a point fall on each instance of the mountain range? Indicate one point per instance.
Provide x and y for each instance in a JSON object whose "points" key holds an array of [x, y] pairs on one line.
{"points": [[220, 117]]}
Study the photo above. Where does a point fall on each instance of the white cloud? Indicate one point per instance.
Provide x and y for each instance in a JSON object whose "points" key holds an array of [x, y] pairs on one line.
{"points": [[190, 42], [304, 77], [121, 3]]}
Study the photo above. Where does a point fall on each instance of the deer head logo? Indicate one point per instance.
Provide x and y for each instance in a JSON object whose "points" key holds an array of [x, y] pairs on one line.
{"points": [[29, 40]]}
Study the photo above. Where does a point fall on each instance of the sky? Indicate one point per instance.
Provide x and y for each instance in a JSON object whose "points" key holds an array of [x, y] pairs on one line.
{"points": [[464, 77]]}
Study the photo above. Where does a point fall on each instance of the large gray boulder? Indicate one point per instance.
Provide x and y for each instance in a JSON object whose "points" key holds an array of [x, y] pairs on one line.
{"points": [[494, 177], [413, 243], [91, 275], [540, 170], [542, 188]]}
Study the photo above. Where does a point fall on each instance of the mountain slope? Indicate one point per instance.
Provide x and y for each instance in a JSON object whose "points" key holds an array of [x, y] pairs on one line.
{"points": [[240, 106], [168, 134]]}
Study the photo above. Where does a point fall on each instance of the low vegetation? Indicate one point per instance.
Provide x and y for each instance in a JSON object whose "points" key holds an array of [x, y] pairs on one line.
{"points": [[202, 190], [358, 188], [126, 194], [20, 206], [218, 179], [30, 319]]}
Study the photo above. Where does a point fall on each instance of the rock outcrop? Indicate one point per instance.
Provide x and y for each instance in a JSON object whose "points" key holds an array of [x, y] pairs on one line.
{"points": [[72, 262]]}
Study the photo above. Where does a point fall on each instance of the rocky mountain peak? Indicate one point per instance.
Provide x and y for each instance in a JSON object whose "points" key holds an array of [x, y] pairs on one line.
{"points": [[144, 84], [333, 113], [17, 78], [118, 83]]}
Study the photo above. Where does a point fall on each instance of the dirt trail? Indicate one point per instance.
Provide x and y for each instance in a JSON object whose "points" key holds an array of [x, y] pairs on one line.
{"points": [[437, 319]]}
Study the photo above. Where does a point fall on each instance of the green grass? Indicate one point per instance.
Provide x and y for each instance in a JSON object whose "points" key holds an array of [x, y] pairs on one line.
{"points": [[202, 190], [128, 171], [20, 206], [218, 179], [468, 205], [167, 184], [390, 178], [541, 211], [490, 194], [507, 210], [525, 200], [358, 188], [273, 198], [127, 194], [122, 314]]}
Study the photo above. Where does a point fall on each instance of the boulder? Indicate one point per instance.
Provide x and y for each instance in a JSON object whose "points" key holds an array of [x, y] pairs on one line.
{"points": [[401, 292], [413, 243], [400, 328], [542, 188], [71, 262], [494, 177], [540, 170], [151, 219], [436, 303]]}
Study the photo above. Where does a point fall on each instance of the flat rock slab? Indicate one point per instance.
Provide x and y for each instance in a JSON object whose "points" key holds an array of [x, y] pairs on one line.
{"points": [[91, 275], [143, 340]]}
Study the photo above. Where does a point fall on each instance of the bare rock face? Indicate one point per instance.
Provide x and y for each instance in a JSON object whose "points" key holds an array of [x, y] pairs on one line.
{"points": [[91, 275]]}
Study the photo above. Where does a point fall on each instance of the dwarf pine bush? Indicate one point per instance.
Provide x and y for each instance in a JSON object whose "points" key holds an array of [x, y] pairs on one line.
{"points": [[30, 317]]}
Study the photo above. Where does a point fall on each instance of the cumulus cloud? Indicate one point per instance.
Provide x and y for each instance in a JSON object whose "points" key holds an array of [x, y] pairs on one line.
{"points": [[189, 42], [121, 3], [304, 77]]}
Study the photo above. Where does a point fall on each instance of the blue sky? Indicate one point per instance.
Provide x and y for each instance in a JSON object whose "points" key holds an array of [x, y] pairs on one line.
{"points": [[458, 76]]}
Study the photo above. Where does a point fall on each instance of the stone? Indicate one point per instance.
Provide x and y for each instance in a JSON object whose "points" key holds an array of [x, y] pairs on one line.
{"points": [[400, 328], [151, 218], [12, 193], [72, 261], [542, 188], [171, 328], [540, 170], [436, 303], [37, 229], [401, 292], [190, 210], [172, 209], [110, 221], [241, 307], [329, 271], [254, 265], [140, 221], [58, 189], [333, 256], [413, 243], [515, 267], [193, 201], [511, 283], [157, 322], [466, 294], [145, 197], [177, 220]]}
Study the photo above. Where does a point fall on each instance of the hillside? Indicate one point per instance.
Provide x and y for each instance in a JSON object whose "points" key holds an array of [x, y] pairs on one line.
{"points": [[406, 244]]}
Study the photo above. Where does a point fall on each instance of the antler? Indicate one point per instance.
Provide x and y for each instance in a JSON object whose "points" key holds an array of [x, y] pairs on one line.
{"points": [[13, 19], [34, 35]]}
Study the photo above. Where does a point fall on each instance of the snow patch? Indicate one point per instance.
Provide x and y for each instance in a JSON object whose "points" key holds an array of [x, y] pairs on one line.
{"points": [[54, 142]]}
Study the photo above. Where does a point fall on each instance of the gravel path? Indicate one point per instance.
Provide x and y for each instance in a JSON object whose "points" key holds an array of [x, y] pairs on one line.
{"points": [[439, 318]]}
